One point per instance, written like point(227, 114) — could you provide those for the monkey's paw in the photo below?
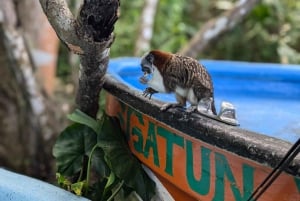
point(149, 92)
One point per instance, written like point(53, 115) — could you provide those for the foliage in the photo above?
point(271, 33)
point(126, 28)
point(93, 160)
point(175, 26)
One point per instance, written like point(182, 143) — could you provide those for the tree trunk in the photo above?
point(28, 121)
point(146, 27)
point(24, 130)
point(42, 41)
point(90, 36)
point(215, 27)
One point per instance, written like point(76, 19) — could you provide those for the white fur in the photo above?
point(188, 93)
point(181, 91)
point(191, 97)
point(157, 81)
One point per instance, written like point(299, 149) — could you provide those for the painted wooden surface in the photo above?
point(192, 169)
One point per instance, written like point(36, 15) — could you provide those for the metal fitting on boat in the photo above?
point(227, 113)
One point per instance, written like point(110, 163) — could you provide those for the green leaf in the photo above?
point(110, 181)
point(62, 181)
point(116, 191)
point(99, 163)
point(110, 184)
point(82, 118)
point(78, 187)
point(121, 161)
point(73, 144)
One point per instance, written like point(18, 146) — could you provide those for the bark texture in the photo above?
point(26, 131)
point(215, 27)
point(42, 41)
point(90, 35)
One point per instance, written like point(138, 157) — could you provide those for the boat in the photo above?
point(18, 187)
point(200, 158)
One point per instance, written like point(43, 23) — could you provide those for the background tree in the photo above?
point(213, 28)
point(27, 117)
point(269, 33)
point(146, 27)
point(42, 41)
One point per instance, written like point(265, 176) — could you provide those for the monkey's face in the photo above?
point(147, 68)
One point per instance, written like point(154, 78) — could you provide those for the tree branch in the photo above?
point(215, 27)
point(62, 21)
point(90, 36)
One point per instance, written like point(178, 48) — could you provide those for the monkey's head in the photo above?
point(151, 61)
point(147, 67)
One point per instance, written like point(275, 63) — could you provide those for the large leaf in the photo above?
point(75, 142)
point(82, 118)
point(121, 161)
point(99, 163)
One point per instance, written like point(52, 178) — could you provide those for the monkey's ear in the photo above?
point(150, 58)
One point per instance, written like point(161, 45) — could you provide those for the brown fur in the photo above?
point(161, 58)
point(185, 72)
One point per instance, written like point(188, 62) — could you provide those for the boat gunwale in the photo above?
point(248, 144)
